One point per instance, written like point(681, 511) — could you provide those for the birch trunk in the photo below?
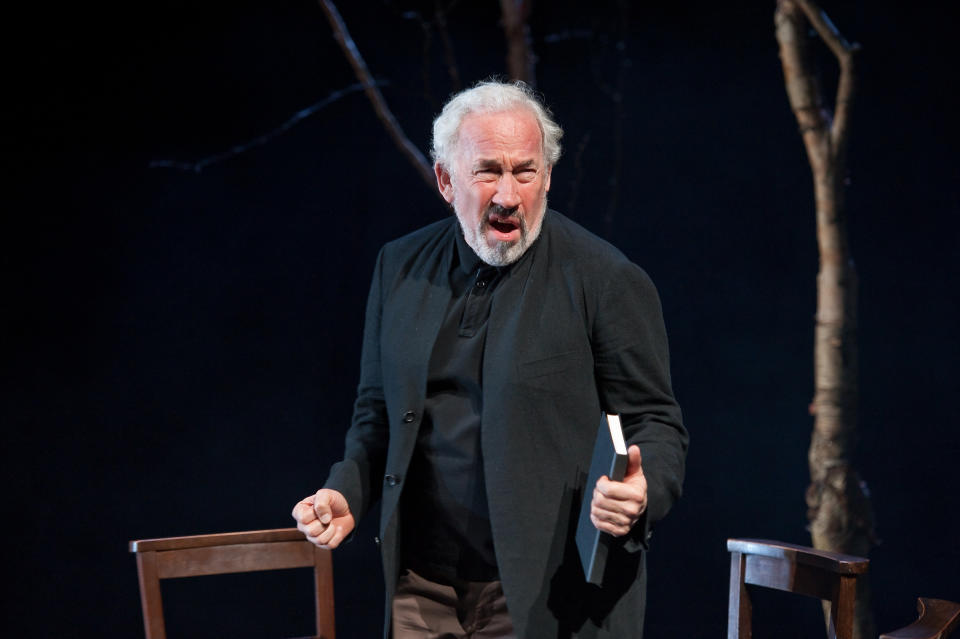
point(838, 506)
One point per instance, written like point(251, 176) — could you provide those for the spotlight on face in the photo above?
point(498, 183)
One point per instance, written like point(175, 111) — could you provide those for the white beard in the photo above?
point(503, 253)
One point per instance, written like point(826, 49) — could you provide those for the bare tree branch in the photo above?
point(825, 28)
point(845, 53)
point(803, 92)
point(237, 149)
point(349, 47)
point(520, 58)
point(427, 29)
point(439, 22)
point(449, 58)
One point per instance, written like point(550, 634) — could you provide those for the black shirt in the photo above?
point(446, 520)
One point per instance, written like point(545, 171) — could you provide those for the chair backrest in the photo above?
point(254, 550)
point(800, 569)
point(937, 619)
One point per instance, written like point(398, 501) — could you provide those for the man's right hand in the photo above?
point(324, 518)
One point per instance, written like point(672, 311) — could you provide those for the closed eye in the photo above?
point(527, 174)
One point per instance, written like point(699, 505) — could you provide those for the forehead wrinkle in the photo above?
point(495, 137)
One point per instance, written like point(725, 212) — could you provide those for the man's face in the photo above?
point(498, 183)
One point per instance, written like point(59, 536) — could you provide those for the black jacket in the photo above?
point(576, 329)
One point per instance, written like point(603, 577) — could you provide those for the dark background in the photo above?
point(180, 349)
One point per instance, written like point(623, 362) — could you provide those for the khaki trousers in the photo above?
point(424, 609)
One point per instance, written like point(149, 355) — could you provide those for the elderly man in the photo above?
point(492, 343)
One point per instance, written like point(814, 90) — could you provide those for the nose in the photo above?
point(508, 192)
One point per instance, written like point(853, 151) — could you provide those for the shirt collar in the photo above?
point(469, 261)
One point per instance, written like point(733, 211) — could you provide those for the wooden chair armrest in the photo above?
point(834, 562)
point(938, 618)
point(222, 539)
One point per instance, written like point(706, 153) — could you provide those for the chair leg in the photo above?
point(150, 600)
point(739, 610)
point(842, 609)
point(322, 578)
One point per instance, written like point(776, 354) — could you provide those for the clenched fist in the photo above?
point(325, 518)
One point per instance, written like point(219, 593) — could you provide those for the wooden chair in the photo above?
point(799, 569)
point(255, 550)
point(937, 620)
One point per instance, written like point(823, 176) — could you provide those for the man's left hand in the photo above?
point(618, 505)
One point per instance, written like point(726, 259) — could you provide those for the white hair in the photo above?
point(491, 96)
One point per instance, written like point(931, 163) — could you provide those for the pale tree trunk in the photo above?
point(520, 58)
point(839, 509)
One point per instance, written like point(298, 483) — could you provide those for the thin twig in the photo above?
point(349, 47)
point(826, 29)
point(619, 111)
point(426, 28)
point(292, 121)
point(439, 22)
point(448, 56)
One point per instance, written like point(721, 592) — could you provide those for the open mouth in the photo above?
point(504, 226)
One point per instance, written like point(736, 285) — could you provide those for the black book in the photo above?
point(610, 459)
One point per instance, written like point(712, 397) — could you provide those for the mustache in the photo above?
point(502, 211)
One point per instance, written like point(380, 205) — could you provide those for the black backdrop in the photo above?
point(180, 349)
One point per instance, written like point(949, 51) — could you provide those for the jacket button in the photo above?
point(409, 416)
point(392, 480)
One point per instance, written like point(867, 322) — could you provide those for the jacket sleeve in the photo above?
point(358, 476)
point(632, 369)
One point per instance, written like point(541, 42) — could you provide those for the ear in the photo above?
point(444, 182)
point(546, 181)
